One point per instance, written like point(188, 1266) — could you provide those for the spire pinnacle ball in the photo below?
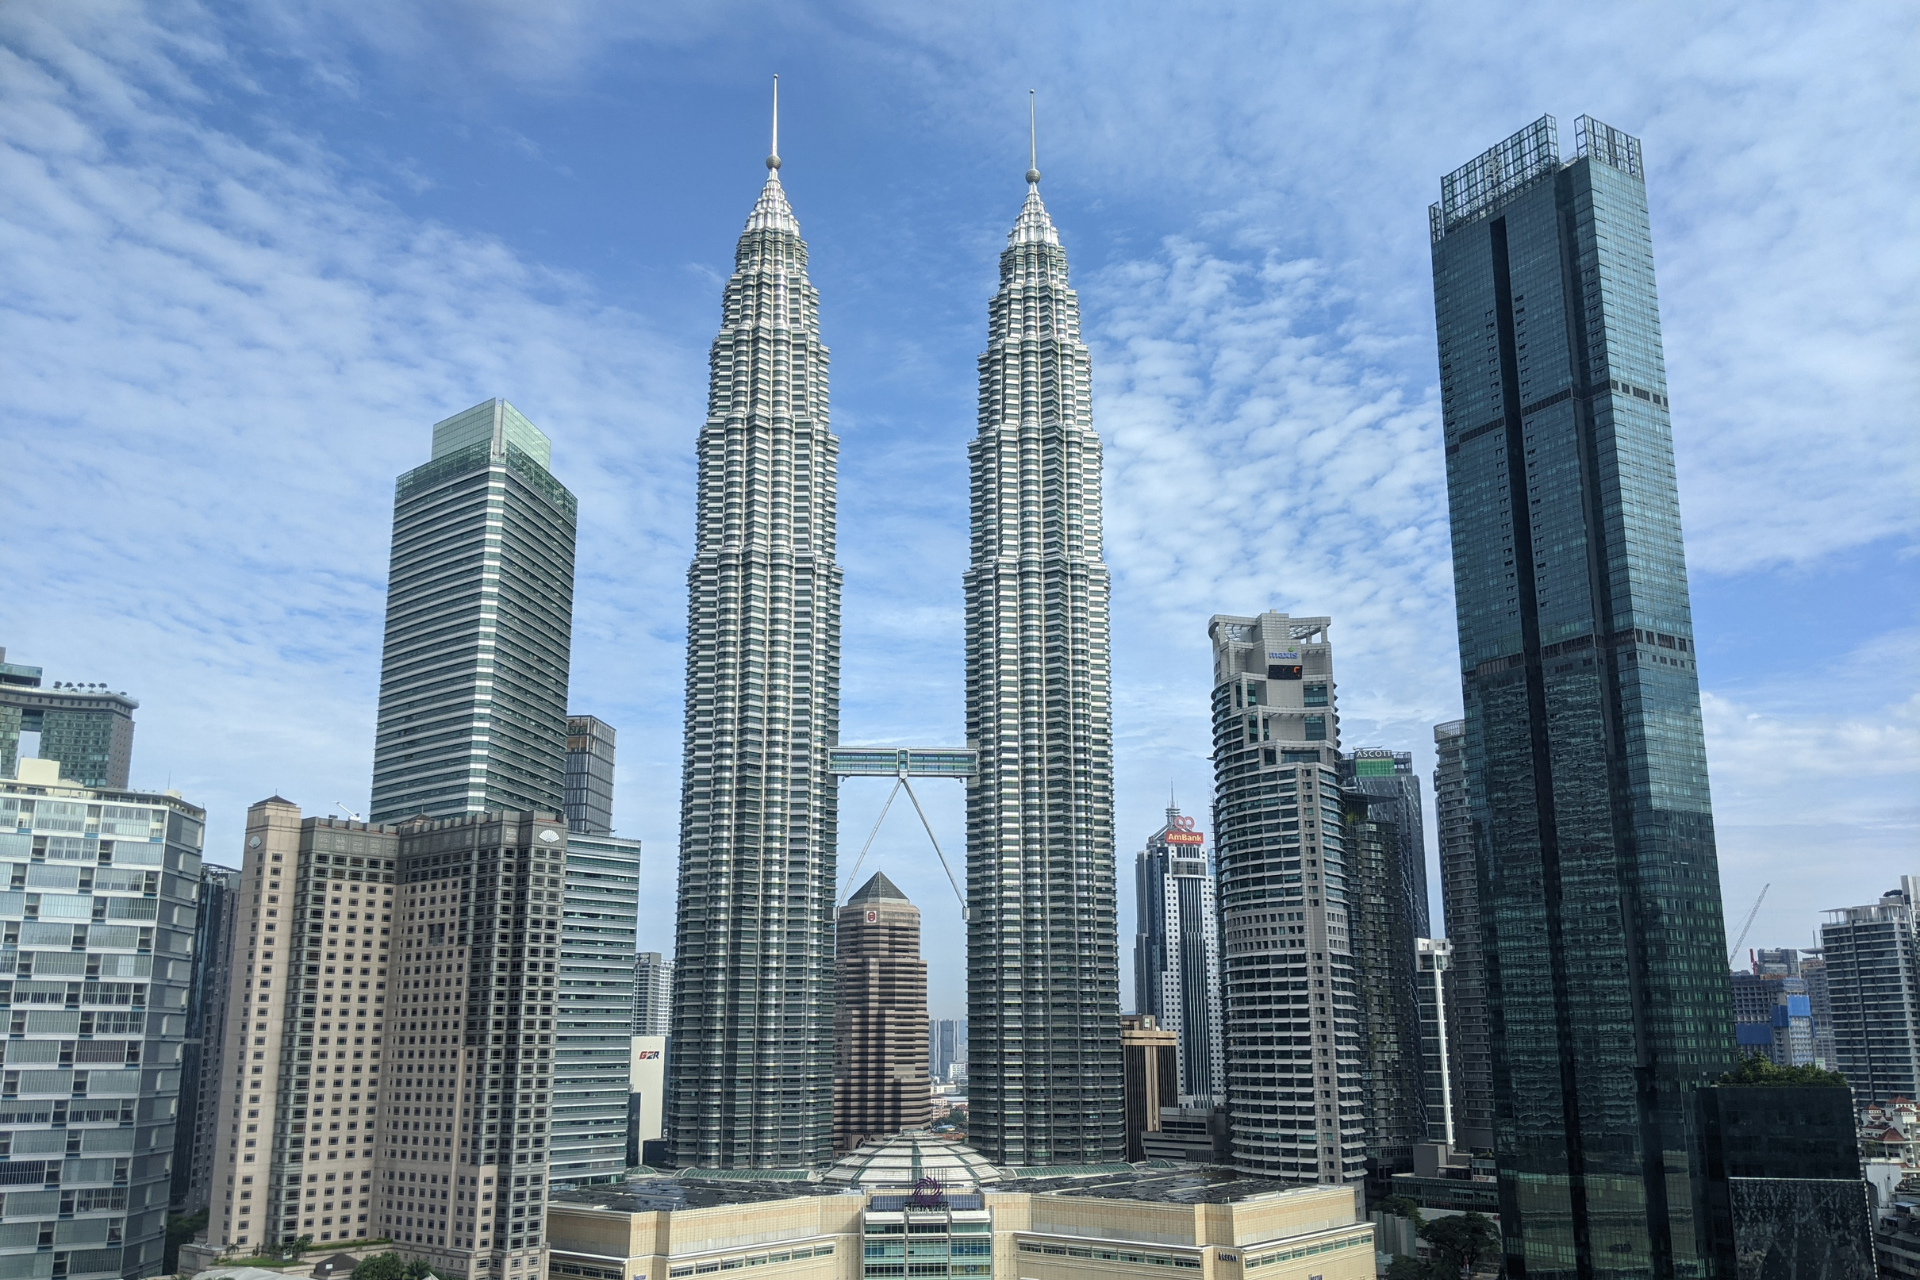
point(1033, 175)
point(773, 162)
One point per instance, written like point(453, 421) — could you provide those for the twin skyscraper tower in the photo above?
point(751, 1083)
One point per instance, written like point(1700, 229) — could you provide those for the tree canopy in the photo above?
point(1755, 1069)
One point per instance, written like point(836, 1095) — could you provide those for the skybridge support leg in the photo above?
point(964, 912)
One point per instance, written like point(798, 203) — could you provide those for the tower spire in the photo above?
point(773, 157)
point(1033, 144)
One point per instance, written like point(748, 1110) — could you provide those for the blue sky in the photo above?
point(249, 253)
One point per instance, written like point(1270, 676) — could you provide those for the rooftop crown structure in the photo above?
point(752, 1069)
point(1042, 956)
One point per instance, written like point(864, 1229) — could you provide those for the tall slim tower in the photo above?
point(473, 675)
point(751, 1077)
point(1586, 765)
point(1176, 953)
point(1289, 974)
point(1469, 1041)
point(1043, 982)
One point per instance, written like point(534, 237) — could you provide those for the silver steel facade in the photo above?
point(1293, 1029)
point(1043, 988)
point(96, 937)
point(473, 675)
point(1176, 954)
point(751, 1078)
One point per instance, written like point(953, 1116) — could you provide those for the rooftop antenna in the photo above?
point(773, 157)
point(1033, 144)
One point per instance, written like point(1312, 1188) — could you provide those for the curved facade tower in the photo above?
point(751, 1082)
point(1043, 986)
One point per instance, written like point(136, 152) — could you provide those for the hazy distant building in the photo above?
point(1469, 1037)
point(1586, 761)
point(1043, 964)
point(1150, 1069)
point(652, 994)
point(1434, 957)
point(473, 672)
point(589, 785)
point(1813, 968)
point(1382, 941)
point(880, 1081)
point(206, 1026)
point(1176, 953)
point(100, 957)
point(1283, 881)
point(750, 1078)
point(946, 1048)
point(1873, 980)
point(86, 729)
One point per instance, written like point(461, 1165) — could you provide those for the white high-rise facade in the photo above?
point(1295, 1073)
point(751, 1076)
point(1043, 987)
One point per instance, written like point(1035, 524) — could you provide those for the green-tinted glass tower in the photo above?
point(1600, 911)
point(473, 678)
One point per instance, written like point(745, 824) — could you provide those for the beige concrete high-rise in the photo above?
point(880, 1083)
point(388, 1063)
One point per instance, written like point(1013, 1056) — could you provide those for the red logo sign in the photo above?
point(873, 917)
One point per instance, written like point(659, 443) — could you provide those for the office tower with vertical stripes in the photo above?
point(206, 1033)
point(1176, 953)
point(750, 1081)
point(1586, 765)
point(1469, 1043)
point(589, 793)
point(473, 675)
point(1043, 982)
point(1872, 975)
point(880, 1083)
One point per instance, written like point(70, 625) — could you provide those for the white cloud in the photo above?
point(222, 342)
point(219, 356)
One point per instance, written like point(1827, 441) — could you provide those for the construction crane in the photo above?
point(1749, 924)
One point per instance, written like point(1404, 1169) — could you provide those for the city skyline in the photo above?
point(215, 672)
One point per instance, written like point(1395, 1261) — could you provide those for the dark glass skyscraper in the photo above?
point(1586, 768)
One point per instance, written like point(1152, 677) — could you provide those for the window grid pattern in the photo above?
point(1043, 991)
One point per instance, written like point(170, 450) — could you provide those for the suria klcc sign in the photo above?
point(1180, 831)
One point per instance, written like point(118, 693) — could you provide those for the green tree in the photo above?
point(1403, 1207)
point(1460, 1242)
point(416, 1270)
point(1756, 1069)
point(292, 1249)
point(381, 1266)
point(180, 1229)
point(1404, 1268)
